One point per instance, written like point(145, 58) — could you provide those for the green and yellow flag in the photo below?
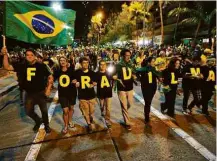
point(32, 23)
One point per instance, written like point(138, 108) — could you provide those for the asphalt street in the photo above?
point(156, 141)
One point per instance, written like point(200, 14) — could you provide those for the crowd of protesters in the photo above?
point(91, 73)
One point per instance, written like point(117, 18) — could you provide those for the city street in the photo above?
point(160, 141)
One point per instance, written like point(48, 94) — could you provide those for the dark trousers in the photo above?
point(206, 96)
point(148, 94)
point(170, 99)
point(197, 98)
point(186, 94)
point(36, 99)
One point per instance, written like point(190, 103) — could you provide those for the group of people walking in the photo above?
point(36, 80)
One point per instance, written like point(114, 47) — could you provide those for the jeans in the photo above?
point(32, 99)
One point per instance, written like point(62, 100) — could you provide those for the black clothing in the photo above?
point(106, 91)
point(84, 92)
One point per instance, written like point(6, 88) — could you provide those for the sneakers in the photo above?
point(185, 112)
point(37, 126)
point(47, 129)
point(128, 127)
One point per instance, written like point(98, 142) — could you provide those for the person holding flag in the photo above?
point(36, 82)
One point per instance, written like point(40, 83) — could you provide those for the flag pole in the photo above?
point(4, 42)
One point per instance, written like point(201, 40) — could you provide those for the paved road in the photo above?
point(156, 141)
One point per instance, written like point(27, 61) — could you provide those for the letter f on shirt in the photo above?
point(30, 73)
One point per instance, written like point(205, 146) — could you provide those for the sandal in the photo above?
point(65, 130)
point(71, 125)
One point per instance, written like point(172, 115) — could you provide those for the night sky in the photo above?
point(85, 10)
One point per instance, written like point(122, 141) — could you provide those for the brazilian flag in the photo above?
point(37, 24)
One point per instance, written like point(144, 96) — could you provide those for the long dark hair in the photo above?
point(147, 60)
point(171, 66)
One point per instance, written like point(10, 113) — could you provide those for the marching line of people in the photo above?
point(37, 74)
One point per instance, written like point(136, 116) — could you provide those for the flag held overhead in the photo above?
point(38, 24)
point(41, 23)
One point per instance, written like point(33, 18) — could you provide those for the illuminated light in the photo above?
point(110, 69)
point(56, 6)
point(66, 27)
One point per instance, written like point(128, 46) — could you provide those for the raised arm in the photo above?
point(6, 64)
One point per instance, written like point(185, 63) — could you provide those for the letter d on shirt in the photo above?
point(30, 73)
point(85, 81)
point(127, 77)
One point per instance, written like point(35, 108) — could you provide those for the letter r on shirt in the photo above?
point(85, 81)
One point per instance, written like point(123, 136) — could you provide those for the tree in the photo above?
point(161, 21)
point(196, 16)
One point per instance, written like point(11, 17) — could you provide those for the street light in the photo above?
point(100, 15)
point(56, 6)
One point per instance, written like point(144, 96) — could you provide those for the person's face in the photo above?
point(63, 62)
point(127, 57)
point(177, 64)
point(163, 54)
point(45, 56)
point(152, 62)
point(30, 57)
point(102, 66)
point(85, 65)
point(39, 59)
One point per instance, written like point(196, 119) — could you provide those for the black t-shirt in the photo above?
point(171, 77)
point(148, 79)
point(104, 85)
point(34, 77)
point(192, 83)
point(125, 75)
point(65, 86)
point(209, 80)
point(85, 79)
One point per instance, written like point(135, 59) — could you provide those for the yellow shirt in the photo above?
point(160, 63)
point(139, 61)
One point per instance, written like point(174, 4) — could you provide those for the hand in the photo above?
point(77, 84)
point(201, 76)
point(160, 79)
point(4, 50)
point(74, 81)
point(94, 83)
point(47, 92)
point(115, 77)
point(134, 77)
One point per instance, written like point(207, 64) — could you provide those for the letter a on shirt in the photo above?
point(127, 77)
point(30, 73)
point(211, 76)
point(104, 82)
point(85, 81)
point(66, 77)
